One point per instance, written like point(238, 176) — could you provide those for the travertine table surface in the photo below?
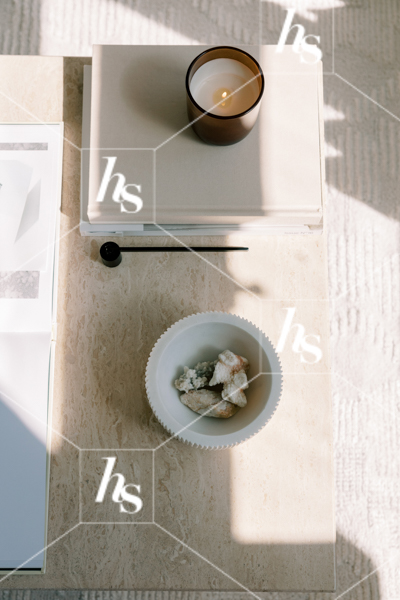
point(259, 516)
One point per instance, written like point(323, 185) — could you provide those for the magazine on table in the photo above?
point(30, 198)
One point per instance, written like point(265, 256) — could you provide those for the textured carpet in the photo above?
point(362, 130)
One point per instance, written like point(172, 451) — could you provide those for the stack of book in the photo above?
point(145, 172)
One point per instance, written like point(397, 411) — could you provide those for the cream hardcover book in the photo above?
point(136, 134)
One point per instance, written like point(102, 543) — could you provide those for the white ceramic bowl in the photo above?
point(201, 337)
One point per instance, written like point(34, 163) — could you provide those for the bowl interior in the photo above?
point(203, 342)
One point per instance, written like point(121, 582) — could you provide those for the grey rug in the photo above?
point(362, 131)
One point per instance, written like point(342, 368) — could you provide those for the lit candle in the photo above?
point(224, 87)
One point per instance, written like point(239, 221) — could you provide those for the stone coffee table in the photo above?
point(259, 516)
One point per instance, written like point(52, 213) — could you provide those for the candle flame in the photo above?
point(222, 97)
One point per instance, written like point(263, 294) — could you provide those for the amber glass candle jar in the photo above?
point(224, 87)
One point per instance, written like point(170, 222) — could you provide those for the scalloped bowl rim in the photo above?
point(186, 434)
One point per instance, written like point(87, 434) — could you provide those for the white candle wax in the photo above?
point(217, 79)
